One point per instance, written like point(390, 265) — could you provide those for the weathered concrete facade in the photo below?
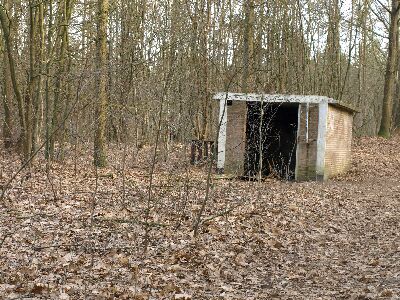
point(236, 141)
point(307, 138)
point(324, 134)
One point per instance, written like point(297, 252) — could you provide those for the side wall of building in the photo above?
point(235, 148)
point(338, 141)
point(307, 137)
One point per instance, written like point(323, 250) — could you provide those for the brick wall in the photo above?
point(338, 141)
point(307, 151)
point(236, 138)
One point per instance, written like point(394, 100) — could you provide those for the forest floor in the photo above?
point(67, 233)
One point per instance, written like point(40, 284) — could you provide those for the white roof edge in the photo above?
point(274, 98)
point(282, 98)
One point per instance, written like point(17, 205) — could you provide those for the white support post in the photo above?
point(223, 118)
point(321, 142)
point(297, 142)
point(307, 122)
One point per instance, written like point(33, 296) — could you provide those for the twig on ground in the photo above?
point(222, 213)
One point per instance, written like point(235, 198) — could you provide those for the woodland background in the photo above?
point(138, 71)
point(125, 85)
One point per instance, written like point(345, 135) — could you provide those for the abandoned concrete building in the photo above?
point(294, 137)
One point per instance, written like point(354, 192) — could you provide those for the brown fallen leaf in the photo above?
point(275, 244)
point(373, 262)
point(387, 294)
point(183, 296)
point(240, 260)
point(37, 289)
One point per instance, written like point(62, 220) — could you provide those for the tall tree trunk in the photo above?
point(30, 95)
point(362, 54)
point(101, 102)
point(7, 100)
point(390, 74)
point(5, 24)
point(204, 89)
point(38, 105)
point(332, 83)
point(48, 149)
point(248, 47)
point(66, 9)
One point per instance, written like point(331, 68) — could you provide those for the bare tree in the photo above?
point(5, 25)
point(391, 69)
point(100, 156)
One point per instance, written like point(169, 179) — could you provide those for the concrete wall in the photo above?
point(306, 155)
point(338, 141)
point(236, 138)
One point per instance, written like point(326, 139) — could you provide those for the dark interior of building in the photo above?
point(275, 135)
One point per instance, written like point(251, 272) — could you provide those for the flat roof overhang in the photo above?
point(282, 98)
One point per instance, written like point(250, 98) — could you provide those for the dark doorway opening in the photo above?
point(271, 130)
